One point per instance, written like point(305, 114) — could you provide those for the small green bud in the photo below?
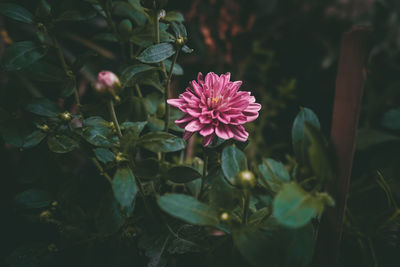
point(52, 247)
point(224, 216)
point(45, 128)
point(120, 157)
point(246, 179)
point(161, 110)
point(45, 215)
point(180, 40)
point(125, 28)
point(65, 116)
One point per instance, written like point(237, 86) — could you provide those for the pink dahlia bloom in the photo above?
point(106, 80)
point(214, 106)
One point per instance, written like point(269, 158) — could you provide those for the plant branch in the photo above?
point(246, 206)
point(101, 170)
point(114, 117)
point(167, 89)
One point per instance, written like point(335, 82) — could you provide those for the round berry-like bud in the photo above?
point(180, 40)
point(45, 128)
point(52, 247)
point(120, 157)
point(246, 179)
point(125, 28)
point(65, 116)
point(45, 215)
point(161, 110)
point(224, 216)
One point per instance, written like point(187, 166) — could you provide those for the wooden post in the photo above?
point(350, 81)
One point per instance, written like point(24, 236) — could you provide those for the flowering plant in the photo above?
point(161, 198)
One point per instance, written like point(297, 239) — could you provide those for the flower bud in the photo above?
point(180, 40)
point(45, 128)
point(224, 216)
point(120, 158)
point(161, 110)
point(65, 116)
point(246, 179)
point(45, 215)
point(162, 14)
point(107, 80)
point(125, 28)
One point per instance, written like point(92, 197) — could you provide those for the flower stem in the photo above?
point(167, 89)
point(114, 117)
point(101, 170)
point(203, 178)
point(246, 206)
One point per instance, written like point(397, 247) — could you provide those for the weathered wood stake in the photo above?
point(350, 81)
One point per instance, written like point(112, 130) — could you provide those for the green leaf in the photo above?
point(16, 12)
point(107, 36)
point(156, 53)
point(294, 207)
point(144, 35)
point(21, 54)
point(68, 88)
point(33, 139)
point(62, 143)
point(186, 49)
point(133, 128)
point(177, 70)
point(155, 124)
point(83, 13)
point(104, 155)
point(182, 174)
point(147, 169)
point(188, 209)
point(129, 73)
point(33, 199)
point(275, 245)
point(274, 173)
point(14, 132)
point(299, 139)
point(124, 186)
point(179, 29)
point(391, 119)
point(222, 194)
point(99, 136)
point(367, 138)
point(175, 114)
point(319, 155)
point(233, 161)
point(45, 72)
point(174, 16)
point(43, 107)
point(126, 10)
point(161, 142)
point(95, 121)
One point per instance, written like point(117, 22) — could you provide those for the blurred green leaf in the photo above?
point(16, 12)
point(33, 199)
point(274, 173)
point(293, 207)
point(233, 161)
point(299, 138)
point(107, 36)
point(124, 186)
point(144, 35)
point(161, 142)
point(222, 194)
point(45, 72)
point(129, 73)
point(155, 124)
point(62, 143)
point(34, 139)
point(174, 16)
point(188, 209)
point(156, 53)
point(175, 114)
point(99, 136)
point(104, 155)
point(43, 107)
point(367, 138)
point(391, 119)
point(83, 12)
point(127, 10)
point(147, 169)
point(21, 54)
point(133, 128)
point(177, 70)
point(182, 174)
point(95, 121)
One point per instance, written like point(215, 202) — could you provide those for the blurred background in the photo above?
point(286, 52)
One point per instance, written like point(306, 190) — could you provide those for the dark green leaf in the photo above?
point(45, 72)
point(33, 199)
point(182, 174)
point(155, 124)
point(156, 53)
point(222, 194)
point(274, 173)
point(294, 207)
point(14, 132)
point(147, 169)
point(99, 136)
point(175, 114)
point(16, 12)
point(126, 10)
point(43, 107)
point(319, 156)
point(62, 143)
point(34, 139)
point(391, 119)
point(188, 209)
point(177, 70)
point(22, 54)
point(233, 161)
point(77, 15)
point(133, 128)
point(104, 155)
point(129, 73)
point(186, 49)
point(95, 121)
point(174, 16)
point(68, 88)
point(124, 186)
point(109, 37)
point(299, 138)
point(367, 138)
point(144, 35)
point(161, 142)
point(179, 29)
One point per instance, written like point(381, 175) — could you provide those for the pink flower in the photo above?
point(214, 106)
point(106, 80)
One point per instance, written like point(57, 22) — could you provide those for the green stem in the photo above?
point(139, 92)
point(114, 117)
point(203, 180)
point(246, 206)
point(167, 89)
point(101, 170)
point(156, 27)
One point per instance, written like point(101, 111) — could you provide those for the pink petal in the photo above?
point(193, 112)
point(240, 133)
point(223, 131)
point(177, 102)
point(207, 130)
point(194, 126)
point(223, 118)
point(205, 119)
point(207, 139)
